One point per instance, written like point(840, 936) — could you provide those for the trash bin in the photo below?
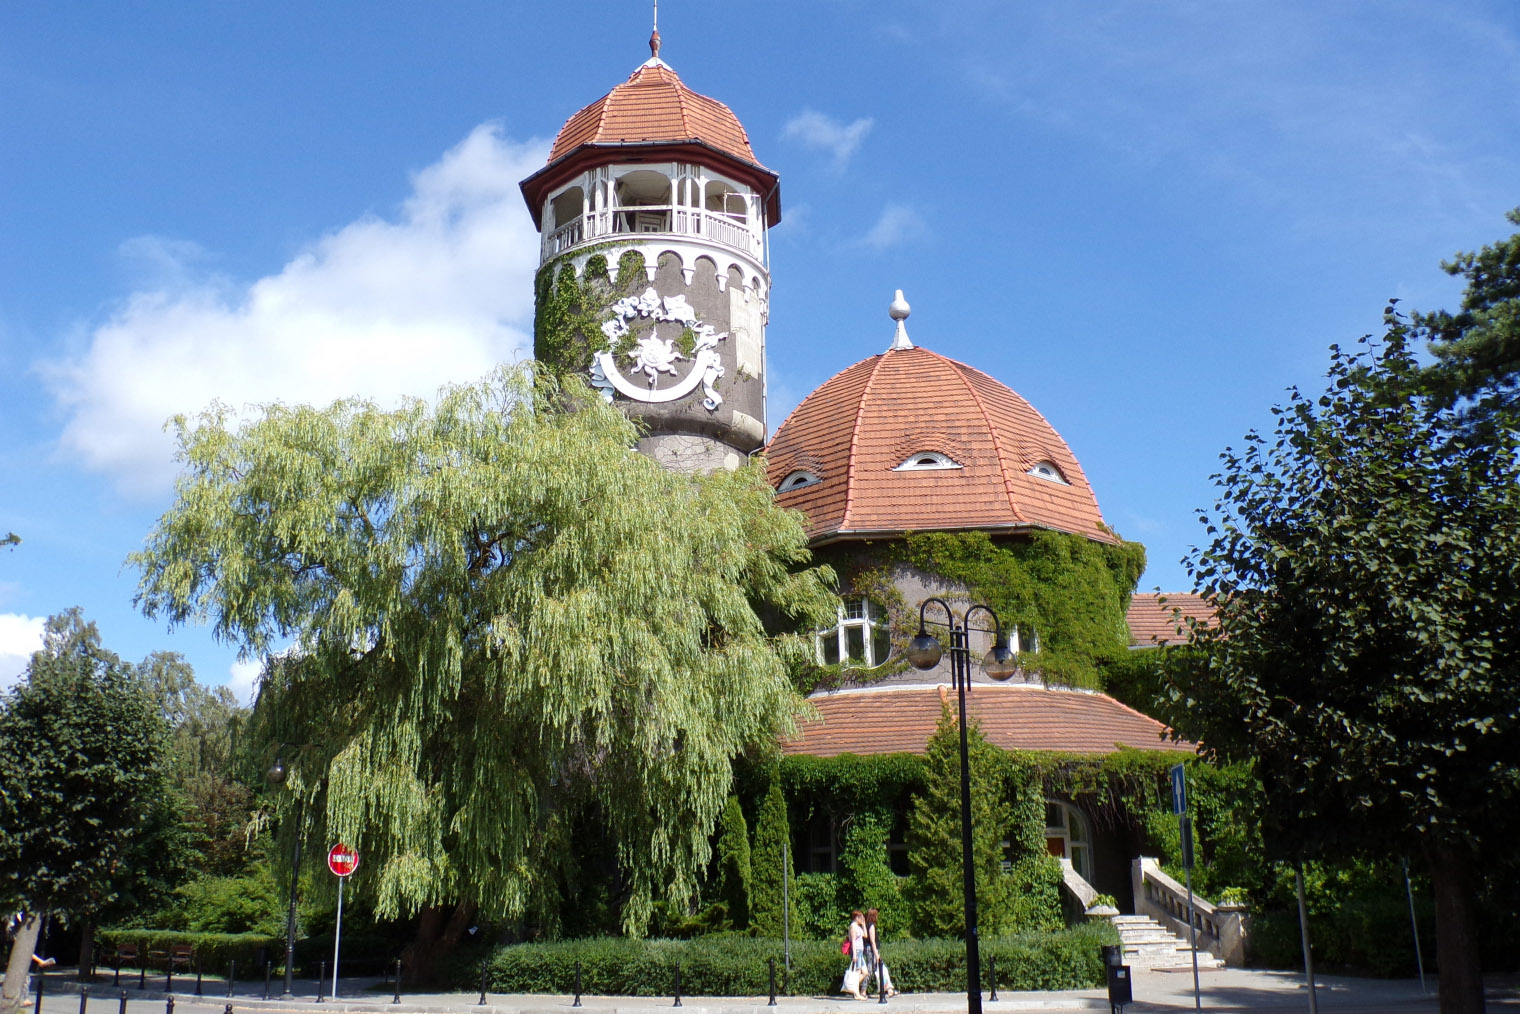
point(1119, 991)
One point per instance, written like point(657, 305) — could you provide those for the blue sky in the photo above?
point(1147, 218)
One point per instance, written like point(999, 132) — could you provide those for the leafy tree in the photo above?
point(90, 826)
point(1367, 658)
point(1478, 347)
point(731, 865)
point(868, 880)
point(11, 539)
point(934, 890)
point(768, 858)
point(499, 616)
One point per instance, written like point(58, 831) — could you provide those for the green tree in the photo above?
point(731, 865)
point(934, 888)
point(1478, 347)
point(770, 856)
point(501, 617)
point(90, 826)
point(1367, 658)
point(866, 872)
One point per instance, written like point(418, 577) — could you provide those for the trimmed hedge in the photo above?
point(214, 951)
point(720, 965)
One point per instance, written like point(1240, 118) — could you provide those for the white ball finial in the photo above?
point(899, 311)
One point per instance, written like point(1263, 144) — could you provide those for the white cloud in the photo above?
point(19, 637)
point(898, 224)
point(380, 308)
point(243, 679)
point(818, 130)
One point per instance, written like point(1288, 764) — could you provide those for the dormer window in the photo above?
point(926, 461)
point(798, 479)
point(1048, 470)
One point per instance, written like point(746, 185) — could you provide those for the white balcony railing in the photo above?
point(666, 220)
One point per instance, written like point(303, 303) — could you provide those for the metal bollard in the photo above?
point(577, 1002)
point(678, 985)
point(772, 963)
point(41, 983)
point(84, 998)
point(142, 975)
point(197, 978)
point(266, 978)
point(169, 978)
point(881, 982)
point(321, 978)
point(116, 973)
point(168, 1005)
point(397, 997)
point(231, 978)
point(992, 978)
point(482, 1001)
point(227, 1009)
point(121, 1007)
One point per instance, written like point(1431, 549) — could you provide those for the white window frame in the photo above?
point(1048, 471)
point(871, 619)
point(926, 461)
point(1078, 847)
point(798, 480)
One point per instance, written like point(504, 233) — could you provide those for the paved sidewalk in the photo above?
point(1222, 990)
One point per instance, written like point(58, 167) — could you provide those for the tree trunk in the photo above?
point(1456, 931)
point(86, 951)
point(22, 948)
point(436, 938)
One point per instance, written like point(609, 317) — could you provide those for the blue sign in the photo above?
point(1179, 790)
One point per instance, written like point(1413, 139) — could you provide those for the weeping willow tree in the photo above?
point(492, 621)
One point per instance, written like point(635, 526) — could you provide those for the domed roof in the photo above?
point(911, 441)
point(653, 106)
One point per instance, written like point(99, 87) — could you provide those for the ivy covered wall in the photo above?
point(1068, 591)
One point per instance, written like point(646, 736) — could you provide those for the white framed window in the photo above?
point(1023, 639)
point(1067, 836)
point(923, 461)
point(862, 637)
point(798, 479)
point(1048, 470)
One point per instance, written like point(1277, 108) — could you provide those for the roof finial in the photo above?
point(899, 311)
point(654, 36)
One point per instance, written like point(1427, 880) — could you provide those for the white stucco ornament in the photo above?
point(652, 356)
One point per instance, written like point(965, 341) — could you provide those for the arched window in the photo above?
point(1067, 837)
point(1048, 470)
point(925, 460)
point(1023, 639)
point(798, 479)
point(863, 635)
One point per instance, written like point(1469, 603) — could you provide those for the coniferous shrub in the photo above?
point(867, 878)
point(768, 858)
point(732, 864)
point(934, 889)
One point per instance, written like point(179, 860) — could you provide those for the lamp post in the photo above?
point(276, 776)
point(924, 652)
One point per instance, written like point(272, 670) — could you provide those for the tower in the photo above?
point(654, 203)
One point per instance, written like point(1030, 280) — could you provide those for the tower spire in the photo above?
point(654, 36)
point(898, 311)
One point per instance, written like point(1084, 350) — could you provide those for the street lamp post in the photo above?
point(276, 775)
point(924, 652)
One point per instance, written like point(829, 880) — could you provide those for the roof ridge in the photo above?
point(959, 368)
point(849, 461)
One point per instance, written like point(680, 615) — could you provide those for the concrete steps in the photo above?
point(1148, 944)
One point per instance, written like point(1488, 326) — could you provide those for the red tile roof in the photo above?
point(856, 428)
point(653, 105)
point(1014, 716)
point(1161, 617)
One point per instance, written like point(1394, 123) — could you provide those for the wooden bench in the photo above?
point(126, 954)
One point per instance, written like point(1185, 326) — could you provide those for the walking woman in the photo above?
point(855, 976)
point(873, 954)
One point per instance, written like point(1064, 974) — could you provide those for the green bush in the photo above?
point(821, 914)
point(737, 966)
point(213, 951)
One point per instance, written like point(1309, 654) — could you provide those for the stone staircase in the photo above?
point(1148, 944)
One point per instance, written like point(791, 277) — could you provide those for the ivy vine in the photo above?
point(569, 309)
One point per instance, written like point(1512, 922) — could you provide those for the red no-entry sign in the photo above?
point(342, 860)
